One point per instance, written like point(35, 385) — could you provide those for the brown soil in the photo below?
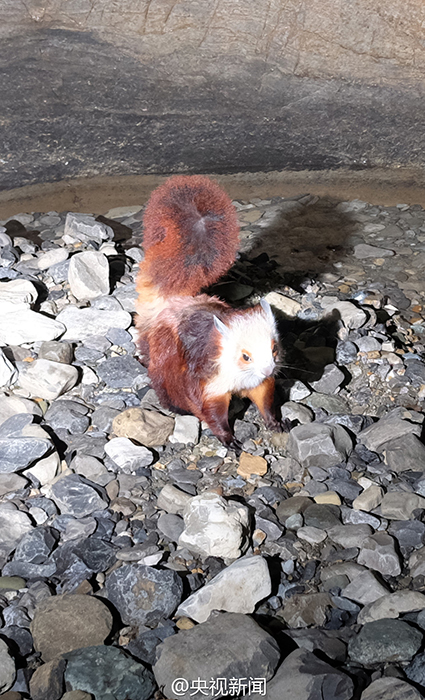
point(99, 194)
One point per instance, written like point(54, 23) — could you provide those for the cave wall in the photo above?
point(92, 87)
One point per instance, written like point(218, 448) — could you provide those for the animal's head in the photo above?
point(250, 345)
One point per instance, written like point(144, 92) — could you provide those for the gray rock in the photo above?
point(26, 326)
point(378, 553)
point(346, 352)
point(47, 379)
point(302, 676)
point(213, 650)
point(363, 250)
point(297, 412)
point(384, 641)
point(68, 415)
point(48, 681)
point(16, 453)
point(326, 641)
point(319, 445)
point(85, 228)
point(214, 527)
point(148, 428)
point(406, 453)
point(14, 524)
point(388, 688)
point(10, 405)
point(351, 316)
point(330, 381)
point(392, 605)
point(88, 466)
point(103, 417)
point(82, 323)
point(108, 673)
point(172, 499)
point(36, 546)
point(143, 594)
point(10, 483)
point(127, 455)
point(415, 671)
point(7, 668)
point(386, 430)
point(401, 505)
point(88, 275)
point(121, 371)
point(74, 496)
point(350, 535)
point(354, 517)
point(186, 430)
point(56, 351)
point(309, 534)
point(298, 391)
point(306, 610)
point(8, 373)
point(171, 526)
point(408, 533)
point(364, 588)
point(369, 499)
point(237, 588)
point(321, 516)
point(64, 623)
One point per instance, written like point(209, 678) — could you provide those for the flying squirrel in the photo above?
point(198, 350)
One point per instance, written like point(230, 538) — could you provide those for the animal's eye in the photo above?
point(246, 357)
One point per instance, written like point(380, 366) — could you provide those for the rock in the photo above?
point(364, 588)
point(328, 498)
point(213, 650)
point(47, 680)
point(127, 455)
point(298, 391)
point(8, 373)
point(108, 673)
point(384, 641)
point(67, 622)
point(288, 469)
point(142, 594)
point(171, 526)
point(400, 505)
point(77, 695)
point(415, 671)
point(288, 306)
point(7, 668)
point(392, 605)
point(88, 275)
point(11, 583)
point(47, 379)
point(296, 412)
point(306, 610)
point(16, 453)
point(387, 688)
point(11, 405)
point(149, 428)
point(408, 533)
point(214, 527)
point(369, 499)
point(18, 292)
point(237, 588)
point(85, 228)
point(14, 524)
point(378, 553)
point(326, 641)
point(44, 470)
point(363, 250)
point(36, 545)
point(80, 324)
point(68, 415)
point(74, 496)
point(302, 676)
point(406, 453)
point(88, 466)
point(350, 535)
point(96, 554)
point(251, 464)
point(121, 371)
point(351, 316)
point(186, 430)
point(172, 500)
point(330, 380)
point(376, 436)
point(321, 516)
point(26, 326)
point(309, 534)
point(56, 351)
point(55, 256)
point(319, 445)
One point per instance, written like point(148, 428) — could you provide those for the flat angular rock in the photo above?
point(19, 291)
point(363, 250)
point(80, 324)
point(149, 428)
point(47, 681)
point(121, 371)
point(63, 623)
point(143, 594)
point(36, 546)
point(8, 373)
point(306, 610)
point(302, 676)
point(55, 256)
point(172, 499)
point(238, 588)
point(319, 445)
point(88, 275)
point(14, 524)
point(47, 379)
point(350, 535)
point(186, 430)
point(56, 351)
point(392, 605)
point(108, 672)
point(386, 430)
point(74, 496)
point(388, 688)
point(26, 326)
point(7, 668)
point(378, 553)
point(11, 405)
point(45, 470)
point(11, 482)
point(214, 527)
point(369, 499)
point(364, 588)
point(330, 380)
point(406, 453)
point(384, 641)
point(16, 453)
point(351, 316)
point(400, 505)
point(214, 649)
point(127, 455)
point(415, 671)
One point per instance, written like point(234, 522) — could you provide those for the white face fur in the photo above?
point(249, 351)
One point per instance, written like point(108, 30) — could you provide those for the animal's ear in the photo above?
point(221, 327)
point(267, 309)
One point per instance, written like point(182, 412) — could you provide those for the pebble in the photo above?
point(212, 650)
point(186, 430)
point(148, 428)
point(75, 496)
point(7, 668)
point(251, 464)
point(238, 588)
point(378, 553)
point(47, 379)
point(64, 623)
point(214, 527)
point(127, 455)
point(88, 275)
point(80, 324)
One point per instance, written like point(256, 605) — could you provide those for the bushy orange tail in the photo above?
point(191, 235)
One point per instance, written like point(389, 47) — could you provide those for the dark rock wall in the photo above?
point(151, 86)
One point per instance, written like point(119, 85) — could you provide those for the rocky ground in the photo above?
point(141, 558)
